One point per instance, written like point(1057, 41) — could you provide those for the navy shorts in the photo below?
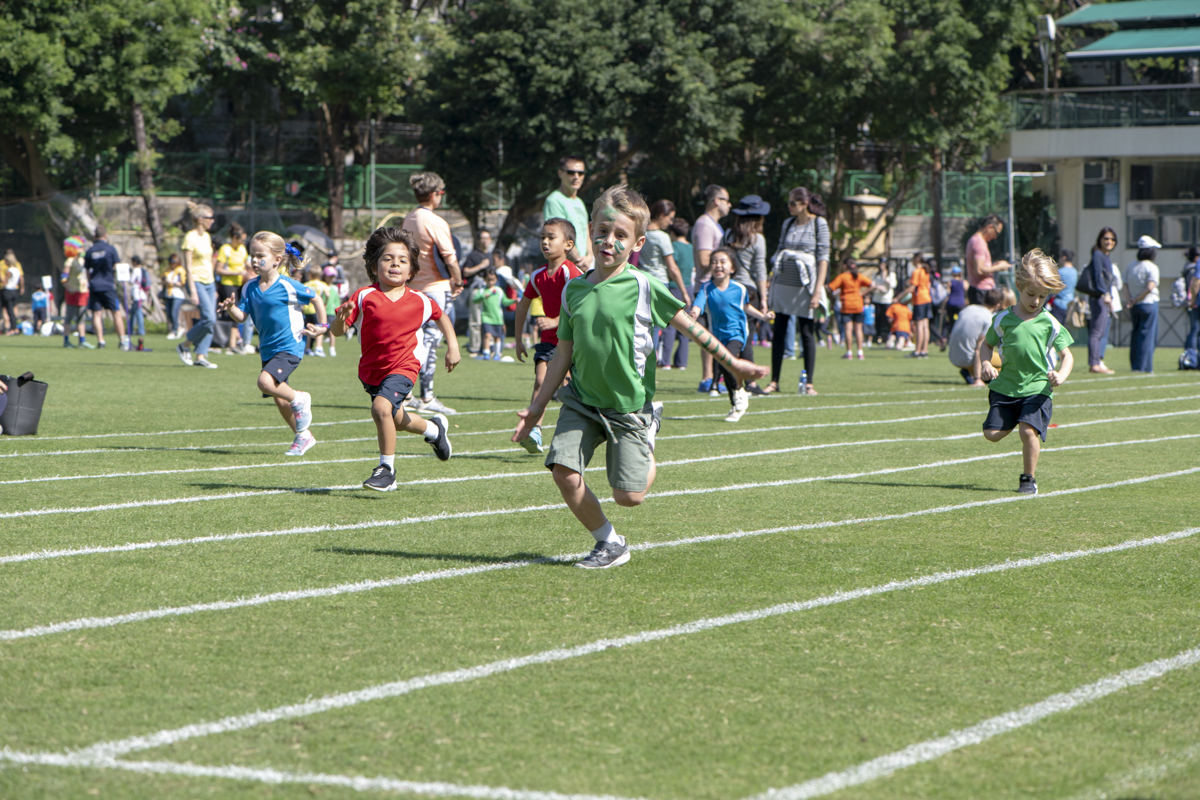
point(493, 330)
point(543, 351)
point(395, 387)
point(1006, 412)
point(280, 367)
point(100, 300)
point(852, 317)
point(922, 311)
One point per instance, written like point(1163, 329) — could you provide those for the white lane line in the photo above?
point(88, 623)
point(276, 777)
point(977, 734)
point(398, 688)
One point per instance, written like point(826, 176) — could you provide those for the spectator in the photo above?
point(922, 305)
point(101, 260)
point(232, 259)
point(801, 265)
point(749, 247)
point(706, 238)
point(851, 285)
point(967, 336)
point(882, 292)
point(1141, 289)
point(75, 286)
point(12, 286)
point(565, 203)
point(473, 266)
point(201, 287)
point(1070, 276)
point(137, 294)
point(980, 268)
point(680, 290)
point(956, 301)
point(1191, 276)
point(1101, 278)
point(174, 279)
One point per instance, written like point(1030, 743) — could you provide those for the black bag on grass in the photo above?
point(24, 409)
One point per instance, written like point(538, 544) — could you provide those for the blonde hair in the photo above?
point(197, 210)
point(424, 184)
point(1009, 298)
point(625, 201)
point(1038, 269)
point(278, 247)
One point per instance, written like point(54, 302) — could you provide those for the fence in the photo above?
point(965, 194)
point(1143, 106)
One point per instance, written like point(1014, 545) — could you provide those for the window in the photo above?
point(1142, 226)
point(1102, 195)
point(1141, 182)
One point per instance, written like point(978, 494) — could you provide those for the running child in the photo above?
point(489, 300)
point(900, 316)
point(852, 285)
point(1026, 336)
point(273, 301)
point(605, 342)
point(546, 285)
point(728, 303)
point(389, 317)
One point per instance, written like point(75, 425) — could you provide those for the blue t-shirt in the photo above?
point(39, 299)
point(1070, 277)
point(277, 315)
point(726, 309)
point(101, 260)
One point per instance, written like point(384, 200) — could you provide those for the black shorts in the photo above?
point(922, 311)
point(311, 319)
point(1006, 412)
point(395, 387)
point(280, 367)
point(543, 351)
point(100, 300)
point(225, 290)
point(852, 317)
point(493, 330)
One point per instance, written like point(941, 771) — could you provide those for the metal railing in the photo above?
point(966, 194)
point(1128, 107)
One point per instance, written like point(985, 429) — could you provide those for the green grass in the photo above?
point(723, 714)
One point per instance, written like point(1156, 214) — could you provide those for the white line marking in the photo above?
point(88, 623)
point(398, 688)
point(977, 734)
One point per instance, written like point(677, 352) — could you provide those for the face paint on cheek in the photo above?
point(620, 247)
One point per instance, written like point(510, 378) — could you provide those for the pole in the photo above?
point(372, 173)
point(253, 155)
point(1012, 223)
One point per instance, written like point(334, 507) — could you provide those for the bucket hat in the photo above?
point(752, 204)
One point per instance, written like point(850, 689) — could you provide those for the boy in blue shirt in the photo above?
point(274, 301)
point(728, 303)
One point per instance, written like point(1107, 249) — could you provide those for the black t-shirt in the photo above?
point(473, 260)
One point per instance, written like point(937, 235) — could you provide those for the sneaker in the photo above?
point(172, 335)
point(714, 393)
point(86, 345)
point(300, 445)
point(705, 385)
point(381, 480)
point(319, 352)
point(302, 410)
point(185, 353)
point(100, 345)
point(533, 442)
point(203, 362)
point(847, 356)
point(67, 343)
point(441, 445)
point(656, 412)
point(861, 357)
point(412, 403)
point(483, 357)
point(741, 400)
point(436, 406)
point(605, 555)
point(734, 414)
point(125, 345)
point(332, 351)
point(1028, 485)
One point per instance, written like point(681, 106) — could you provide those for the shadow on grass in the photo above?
point(971, 487)
point(472, 559)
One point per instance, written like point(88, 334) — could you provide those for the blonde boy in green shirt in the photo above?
point(606, 343)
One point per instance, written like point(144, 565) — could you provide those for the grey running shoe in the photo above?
point(185, 353)
point(656, 412)
point(381, 480)
point(533, 442)
point(436, 406)
point(441, 445)
point(1028, 485)
point(86, 345)
point(204, 362)
point(605, 555)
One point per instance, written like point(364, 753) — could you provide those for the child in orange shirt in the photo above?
point(922, 300)
point(851, 285)
point(900, 315)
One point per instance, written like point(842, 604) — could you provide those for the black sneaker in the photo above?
point(656, 412)
point(381, 480)
point(441, 445)
point(1028, 485)
point(605, 555)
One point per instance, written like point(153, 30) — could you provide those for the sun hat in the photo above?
point(73, 246)
point(752, 204)
point(1146, 242)
point(956, 270)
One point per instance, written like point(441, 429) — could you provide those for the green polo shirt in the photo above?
point(1028, 350)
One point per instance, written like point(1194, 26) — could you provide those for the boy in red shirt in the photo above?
point(548, 282)
point(852, 285)
point(389, 317)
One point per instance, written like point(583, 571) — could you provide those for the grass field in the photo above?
point(838, 595)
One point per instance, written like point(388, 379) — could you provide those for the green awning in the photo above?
point(1143, 43)
point(1132, 12)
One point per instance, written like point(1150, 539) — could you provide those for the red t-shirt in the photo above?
point(390, 332)
point(549, 286)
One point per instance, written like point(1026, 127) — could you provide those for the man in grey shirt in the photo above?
point(972, 325)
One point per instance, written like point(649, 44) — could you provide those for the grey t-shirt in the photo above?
point(973, 322)
point(654, 254)
point(750, 263)
point(1138, 276)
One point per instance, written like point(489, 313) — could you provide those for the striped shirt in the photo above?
point(811, 237)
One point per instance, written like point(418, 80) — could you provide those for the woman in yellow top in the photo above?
point(174, 280)
point(12, 286)
point(198, 266)
point(231, 267)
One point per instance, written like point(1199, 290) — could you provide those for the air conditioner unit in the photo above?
point(1101, 171)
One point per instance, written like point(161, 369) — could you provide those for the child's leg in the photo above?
point(283, 395)
point(409, 423)
point(539, 375)
point(579, 498)
point(487, 344)
point(732, 384)
point(1031, 447)
point(498, 351)
point(385, 426)
point(995, 436)
point(631, 499)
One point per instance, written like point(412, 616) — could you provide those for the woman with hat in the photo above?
point(1141, 291)
point(749, 248)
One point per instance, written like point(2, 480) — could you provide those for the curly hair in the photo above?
point(379, 240)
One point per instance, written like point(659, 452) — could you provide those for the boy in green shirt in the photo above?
point(489, 299)
point(1026, 337)
point(605, 342)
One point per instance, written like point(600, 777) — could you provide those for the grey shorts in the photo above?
point(581, 428)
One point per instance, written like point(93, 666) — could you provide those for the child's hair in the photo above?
point(135, 260)
point(728, 254)
point(499, 257)
point(194, 211)
point(381, 238)
point(489, 273)
point(849, 264)
point(994, 297)
point(174, 259)
point(293, 258)
point(424, 184)
point(1009, 298)
point(1038, 269)
point(236, 231)
point(625, 201)
point(661, 209)
point(564, 227)
point(1066, 256)
point(72, 246)
point(680, 227)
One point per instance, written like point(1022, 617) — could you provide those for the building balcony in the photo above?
point(1105, 107)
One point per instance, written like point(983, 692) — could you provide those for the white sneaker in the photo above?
point(436, 406)
point(332, 351)
point(734, 414)
point(714, 392)
point(656, 413)
point(185, 354)
point(301, 444)
point(741, 400)
point(302, 409)
point(319, 352)
point(203, 362)
point(413, 402)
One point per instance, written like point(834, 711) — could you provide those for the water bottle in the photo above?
point(803, 380)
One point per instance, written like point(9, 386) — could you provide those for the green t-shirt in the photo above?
point(573, 211)
point(489, 300)
point(612, 327)
point(1028, 350)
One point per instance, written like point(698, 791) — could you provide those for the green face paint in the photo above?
point(616, 243)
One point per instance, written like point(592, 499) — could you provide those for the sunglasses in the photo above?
point(578, 172)
point(440, 191)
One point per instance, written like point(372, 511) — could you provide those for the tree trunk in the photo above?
point(935, 195)
point(145, 169)
point(335, 166)
point(20, 150)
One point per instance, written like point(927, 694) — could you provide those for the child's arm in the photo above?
point(452, 354)
point(229, 306)
point(975, 360)
point(322, 326)
point(519, 326)
point(1066, 363)
point(479, 295)
point(987, 371)
point(745, 370)
point(753, 311)
point(341, 315)
point(556, 373)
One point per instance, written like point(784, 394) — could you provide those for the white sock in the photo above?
point(297, 401)
point(606, 533)
point(388, 461)
point(431, 431)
